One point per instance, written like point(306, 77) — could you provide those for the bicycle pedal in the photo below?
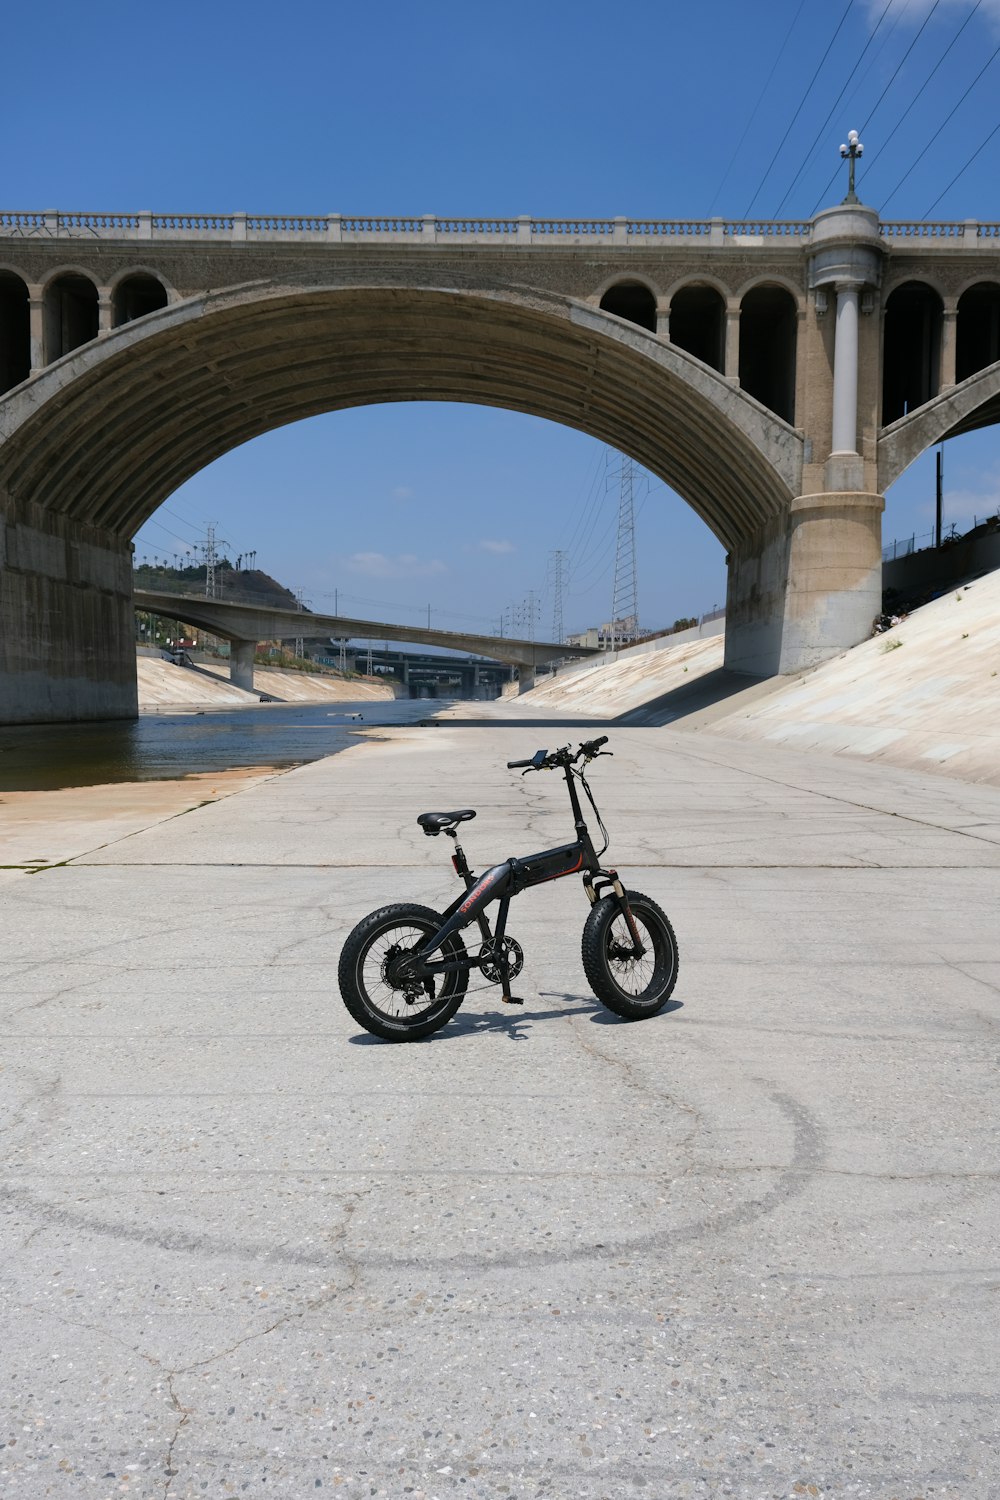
point(510, 1000)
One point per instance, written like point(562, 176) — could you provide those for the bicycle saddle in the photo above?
point(432, 823)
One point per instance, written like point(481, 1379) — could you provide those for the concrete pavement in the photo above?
point(745, 1248)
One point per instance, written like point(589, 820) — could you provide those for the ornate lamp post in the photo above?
point(850, 152)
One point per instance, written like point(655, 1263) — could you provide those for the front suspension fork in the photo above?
point(609, 880)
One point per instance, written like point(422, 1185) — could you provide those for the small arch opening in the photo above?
point(631, 300)
point(698, 324)
point(768, 332)
point(135, 296)
point(71, 316)
point(15, 331)
point(977, 333)
point(911, 357)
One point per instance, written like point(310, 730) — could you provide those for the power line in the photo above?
point(756, 108)
point(599, 492)
point(940, 128)
point(584, 509)
point(873, 158)
point(958, 174)
point(799, 107)
point(899, 65)
point(816, 138)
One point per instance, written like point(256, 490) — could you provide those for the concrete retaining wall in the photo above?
point(929, 570)
point(66, 621)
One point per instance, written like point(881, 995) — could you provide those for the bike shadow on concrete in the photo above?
point(709, 696)
point(516, 1020)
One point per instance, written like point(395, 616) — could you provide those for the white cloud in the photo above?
point(912, 12)
point(403, 565)
point(498, 547)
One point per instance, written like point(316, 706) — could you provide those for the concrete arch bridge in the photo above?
point(776, 375)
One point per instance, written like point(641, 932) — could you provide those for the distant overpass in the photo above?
point(243, 625)
point(418, 670)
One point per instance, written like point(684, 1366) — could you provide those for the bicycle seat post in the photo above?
point(458, 859)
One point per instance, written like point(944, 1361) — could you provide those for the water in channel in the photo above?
point(165, 746)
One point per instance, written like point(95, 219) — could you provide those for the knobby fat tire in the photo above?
point(427, 1018)
point(600, 976)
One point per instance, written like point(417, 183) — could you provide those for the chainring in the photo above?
point(490, 966)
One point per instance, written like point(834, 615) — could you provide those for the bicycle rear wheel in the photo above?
point(399, 1011)
point(631, 986)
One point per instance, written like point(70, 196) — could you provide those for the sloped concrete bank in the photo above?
point(162, 684)
point(925, 695)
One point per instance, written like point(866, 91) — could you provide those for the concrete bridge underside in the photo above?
point(244, 625)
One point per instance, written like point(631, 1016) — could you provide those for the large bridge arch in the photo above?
point(109, 431)
point(94, 443)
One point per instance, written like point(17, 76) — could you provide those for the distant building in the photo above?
point(612, 633)
point(585, 638)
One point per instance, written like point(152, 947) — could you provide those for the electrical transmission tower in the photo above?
point(625, 595)
point(558, 565)
point(530, 611)
point(210, 551)
point(300, 649)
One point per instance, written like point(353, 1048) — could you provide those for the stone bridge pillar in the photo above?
point(810, 585)
point(67, 625)
point(241, 655)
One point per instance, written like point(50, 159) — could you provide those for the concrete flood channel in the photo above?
point(745, 1248)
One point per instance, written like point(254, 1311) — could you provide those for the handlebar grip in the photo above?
point(515, 764)
point(589, 746)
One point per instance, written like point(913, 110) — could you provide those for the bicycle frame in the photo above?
point(504, 881)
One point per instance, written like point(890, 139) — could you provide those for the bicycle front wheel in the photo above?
point(399, 1011)
point(631, 986)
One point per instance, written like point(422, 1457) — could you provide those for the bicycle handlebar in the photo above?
point(543, 761)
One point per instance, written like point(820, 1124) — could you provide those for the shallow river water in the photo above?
point(164, 746)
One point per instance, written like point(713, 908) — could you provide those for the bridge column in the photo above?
point(732, 356)
point(949, 344)
point(67, 642)
point(105, 311)
point(844, 467)
point(525, 678)
point(36, 328)
point(807, 587)
point(241, 655)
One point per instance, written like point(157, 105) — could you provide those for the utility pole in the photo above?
point(939, 466)
point(558, 562)
point(368, 663)
point(625, 594)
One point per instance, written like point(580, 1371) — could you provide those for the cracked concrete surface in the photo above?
point(745, 1248)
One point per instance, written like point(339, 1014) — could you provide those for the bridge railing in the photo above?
point(320, 229)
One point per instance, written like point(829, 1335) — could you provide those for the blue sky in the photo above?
point(549, 108)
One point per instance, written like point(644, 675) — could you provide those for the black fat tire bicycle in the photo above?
point(404, 969)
